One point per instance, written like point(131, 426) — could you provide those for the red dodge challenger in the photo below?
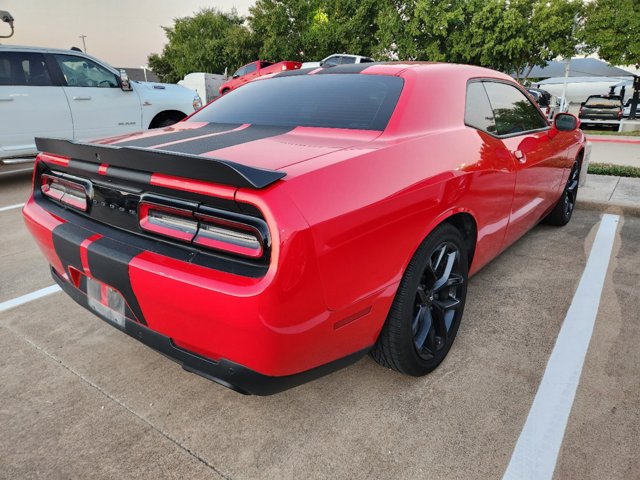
point(304, 220)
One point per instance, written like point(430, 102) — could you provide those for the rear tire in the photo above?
point(428, 306)
point(561, 213)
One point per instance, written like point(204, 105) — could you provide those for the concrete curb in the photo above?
point(604, 207)
point(612, 139)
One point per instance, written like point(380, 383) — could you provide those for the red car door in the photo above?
point(539, 160)
point(251, 71)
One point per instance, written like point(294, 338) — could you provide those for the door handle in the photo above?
point(6, 99)
point(82, 98)
point(520, 156)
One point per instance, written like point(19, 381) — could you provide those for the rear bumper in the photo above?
point(272, 331)
point(599, 121)
point(225, 372)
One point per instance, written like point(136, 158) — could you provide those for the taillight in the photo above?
point(580, 112)
point(210, 228)
point(74, 192)
point(619, 114)
point(170, 222)
point(234, 237)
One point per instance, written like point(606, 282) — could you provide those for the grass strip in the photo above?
point(635, 133)
point(615, 170)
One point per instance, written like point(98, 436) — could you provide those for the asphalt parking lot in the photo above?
point(79, 399)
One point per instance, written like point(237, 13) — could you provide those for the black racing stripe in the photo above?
point(129, 176)
point(350, 68)
point(145, 142)
point(109, 262)
point(66, 242)
point(171, 163)
point(83, 167)
point(249, 134)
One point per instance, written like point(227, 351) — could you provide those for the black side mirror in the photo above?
point(125, 84)
point(565, 122)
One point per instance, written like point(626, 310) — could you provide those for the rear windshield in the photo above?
point(354, 101)
point(603, 102)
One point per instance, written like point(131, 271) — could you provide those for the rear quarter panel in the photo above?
point(369, 213)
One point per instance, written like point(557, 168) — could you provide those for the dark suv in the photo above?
point(603, 110)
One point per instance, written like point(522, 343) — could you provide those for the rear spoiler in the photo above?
point(157, 161)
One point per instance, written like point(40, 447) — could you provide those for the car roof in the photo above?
point(28, 48)
point(32, 49)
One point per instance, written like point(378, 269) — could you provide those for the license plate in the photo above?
point(106, 301)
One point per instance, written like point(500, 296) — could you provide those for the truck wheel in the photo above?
point(166, 119)
point(428, 306)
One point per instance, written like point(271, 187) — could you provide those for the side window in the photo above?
point(241, 71)
point(346, 60)
point(513, 111)
point(333, 60)
point(82, 72)
point(251, 68)
point(24, 69)
point(477, 111)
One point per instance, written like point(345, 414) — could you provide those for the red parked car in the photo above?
point(254, 70)
point(297, 223)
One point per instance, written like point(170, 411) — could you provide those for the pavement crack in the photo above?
point(119, 402)
point(614, 190)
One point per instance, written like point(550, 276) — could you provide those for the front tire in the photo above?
point(561, 213)
point(428, 306)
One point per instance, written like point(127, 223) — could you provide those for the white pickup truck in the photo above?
point(68, 94)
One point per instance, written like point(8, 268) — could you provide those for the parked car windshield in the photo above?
point(353, 101)
point(602, 102)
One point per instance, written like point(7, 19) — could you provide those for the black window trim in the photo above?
point(522, 90)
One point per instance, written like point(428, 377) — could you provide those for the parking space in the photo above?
point(81, 400)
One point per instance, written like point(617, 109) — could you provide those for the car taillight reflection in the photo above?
point(208, 231)
point(66, 191)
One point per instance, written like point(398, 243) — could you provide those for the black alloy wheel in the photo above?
point(428, 306)
point(561, 213)
point(571, 190)
point(437, 301)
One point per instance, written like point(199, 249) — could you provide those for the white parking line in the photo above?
point(11, 207)
point(536, 451)
point(15, 302)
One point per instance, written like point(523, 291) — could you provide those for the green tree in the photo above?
point(516, 35)
point(308, 30)
point(280, 26)
point(507, 35)
point(433, 30)
point(209, 41)
point(612, 28)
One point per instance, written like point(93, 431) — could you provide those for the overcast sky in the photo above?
point(121, 32)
